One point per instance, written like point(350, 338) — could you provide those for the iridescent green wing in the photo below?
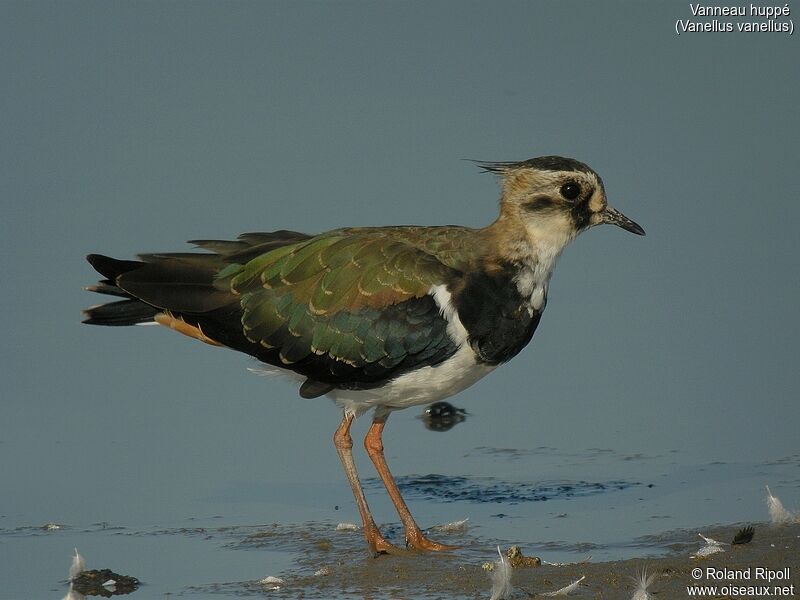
point(457, 247)
point(346, 308)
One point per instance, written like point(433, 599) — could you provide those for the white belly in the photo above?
point(428, 384)
point(423, 386)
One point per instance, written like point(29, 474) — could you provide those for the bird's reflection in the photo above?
point(442, 416)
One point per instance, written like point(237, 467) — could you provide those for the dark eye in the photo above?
point(570, 190)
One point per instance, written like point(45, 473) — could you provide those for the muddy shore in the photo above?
point(334, 565)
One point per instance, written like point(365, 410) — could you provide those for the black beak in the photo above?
point(613, 217)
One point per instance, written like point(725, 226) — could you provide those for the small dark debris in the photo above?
point(90, 583)
point(744, 535)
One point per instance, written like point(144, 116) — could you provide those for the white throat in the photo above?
point(546, 240)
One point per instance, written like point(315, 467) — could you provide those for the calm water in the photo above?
point(562, 504)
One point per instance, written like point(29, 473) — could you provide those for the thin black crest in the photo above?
point(541, 163)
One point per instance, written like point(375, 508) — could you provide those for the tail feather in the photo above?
point(130, 311)
point(108, 288)
point(175, 282)
point(250, 245)
point(123, 312)
point(111, 268)
point(182, 283)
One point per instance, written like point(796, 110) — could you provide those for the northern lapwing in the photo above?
point(376, 318)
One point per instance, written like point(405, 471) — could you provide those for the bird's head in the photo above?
point(555, 197)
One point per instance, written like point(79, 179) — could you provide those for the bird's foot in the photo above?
point(416, 541)
point(378, 545)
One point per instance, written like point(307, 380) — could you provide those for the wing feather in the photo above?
point(349, 308)
point(345, 307)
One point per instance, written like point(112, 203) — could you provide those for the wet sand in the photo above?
point(344, 571)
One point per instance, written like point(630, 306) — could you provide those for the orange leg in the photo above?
point(414, 537)
point(344, 448)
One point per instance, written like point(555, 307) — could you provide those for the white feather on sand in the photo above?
point(778, 515)
point(712, 542)
point(643, 581)
point(711, 547)
point(707, 550)
point(567, 589)
point(501, 578)
point(567, 564)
